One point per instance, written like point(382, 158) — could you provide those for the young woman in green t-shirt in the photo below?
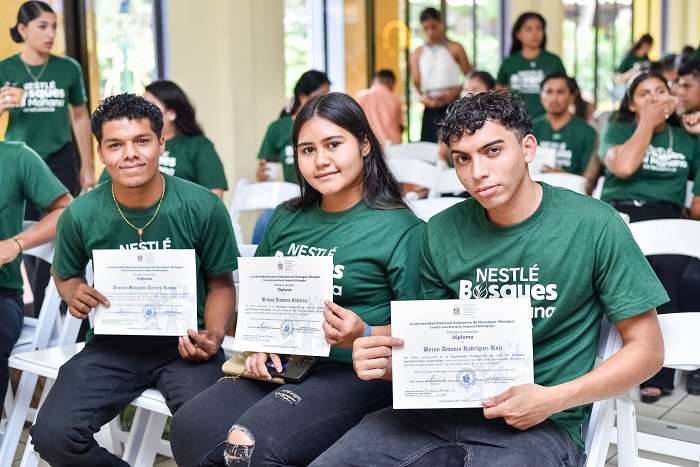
point(648, 159)
point(351, 207)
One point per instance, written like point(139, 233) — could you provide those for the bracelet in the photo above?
point(368, 330)
point(18, 244)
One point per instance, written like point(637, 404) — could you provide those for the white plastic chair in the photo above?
point(420, 150)
point(427, 208)
point(446, 182)
point(680, 237)
point(254, 196)
point(415, 171)
point(572, 182)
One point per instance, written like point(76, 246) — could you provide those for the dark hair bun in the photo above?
point(15, 35)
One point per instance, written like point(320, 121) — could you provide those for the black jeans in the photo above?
point(97, 383)
point(675, 272)
point(64, 165)
point(11, 317)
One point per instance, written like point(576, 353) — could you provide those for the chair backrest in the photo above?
point(447, 182)
point(421, 150)
point(572, 182)
point(598, 190)
point(680, 331)
point(427, 208)
point(689, 195)
point(261, 195)
point(667, 237)
point(415, 171)
point(245, 251)
point(597, 432)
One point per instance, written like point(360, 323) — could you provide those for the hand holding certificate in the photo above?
point(151, 292)
point(457, 352)
point(280, 305)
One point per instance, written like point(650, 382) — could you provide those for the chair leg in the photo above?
point(118, 435)
point(146, 431)
point(15, 419)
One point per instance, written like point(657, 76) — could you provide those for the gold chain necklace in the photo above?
point(140, 231)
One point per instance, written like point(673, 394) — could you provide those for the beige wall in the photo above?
point(229, 58)
point(684, 16)
point(553, 12)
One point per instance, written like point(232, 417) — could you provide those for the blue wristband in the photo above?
point(368, 331)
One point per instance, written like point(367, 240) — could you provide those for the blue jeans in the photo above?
point(97, 383)
point(290, 424)
point(11, 318)
point(450, 437)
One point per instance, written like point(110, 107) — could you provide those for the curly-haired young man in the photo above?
point(112, 370)
point(583, 253)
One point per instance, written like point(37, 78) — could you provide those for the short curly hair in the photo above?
point(129, 106)
point(470, 113)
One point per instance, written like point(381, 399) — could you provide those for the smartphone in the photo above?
point(294, 367)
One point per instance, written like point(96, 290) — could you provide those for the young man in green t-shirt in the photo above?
point(140, 209)
point(570, 136)
point(23, 177)
point(572, 255)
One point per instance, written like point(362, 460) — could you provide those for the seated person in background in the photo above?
point(479, 81)
point(189, 154)
point(514, 222)
point(571, 137)
point(24, 176)
point(687, 89)
point(139, 208)
point(383, 108)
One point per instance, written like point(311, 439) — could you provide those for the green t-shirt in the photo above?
point(23, 176)
point(43, 120)
point(375, 255)
point(664, 171)
point(191, 158)
point(190, 217)
point(277, 146)
point(574, 142)
point(629, 60)
point(521, 74)
point(573, 271)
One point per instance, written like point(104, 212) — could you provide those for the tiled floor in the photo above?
point(680, 407)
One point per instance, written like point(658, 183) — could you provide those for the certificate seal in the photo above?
point(287, 329)
point(466, 378)
point(150, 313)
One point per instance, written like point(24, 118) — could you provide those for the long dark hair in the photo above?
point(516, 46)
point(27, 12)
point(173, 97)
point(625, 114)
point(644, 39)
point(380, 188)
point(308, 83)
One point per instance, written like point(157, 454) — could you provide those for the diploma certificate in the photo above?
point(150, 292)
point(457, 352)
point(280, 304)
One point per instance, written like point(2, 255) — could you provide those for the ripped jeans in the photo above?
point(274, 425)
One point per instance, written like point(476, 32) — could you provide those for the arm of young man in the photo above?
point(44, 231)
point(640, 358)
point(218, 316)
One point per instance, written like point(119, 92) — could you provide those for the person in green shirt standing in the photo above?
point(188, 154)
point(510, 240)
point(44, 96)
point(351, 208)
point(573, 139)
point(528, 63)
point(648, 159)
point(638, 53)
point(143, 209)
point(23, 177)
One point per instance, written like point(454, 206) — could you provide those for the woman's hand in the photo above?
point(87, 179)
point(260, 173)
point(256, 364)
point(342, 326)
point(656, 113)
point(6, 101)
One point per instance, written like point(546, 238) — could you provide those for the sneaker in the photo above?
point(692, 382)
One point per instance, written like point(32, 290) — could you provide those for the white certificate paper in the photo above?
point(457, 352)
point(150, 292)
point(280, 304)
point(546, 155)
